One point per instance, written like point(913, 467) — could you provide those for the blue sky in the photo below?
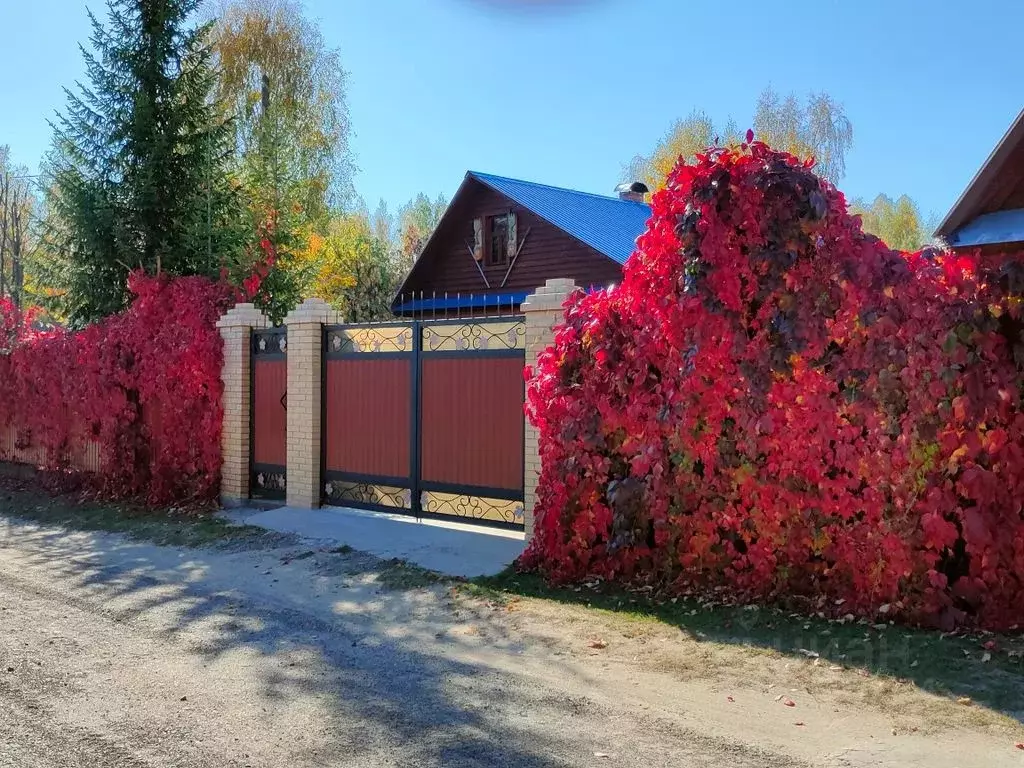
point(567, 96)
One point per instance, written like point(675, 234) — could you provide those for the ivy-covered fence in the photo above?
point(775, 405)
point(132, 404)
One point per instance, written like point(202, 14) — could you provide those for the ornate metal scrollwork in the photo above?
point(473, 507)
point(370, 338)
point(271, 481)
point(474, 335)
point(342, 492)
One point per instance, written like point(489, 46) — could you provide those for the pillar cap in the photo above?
point(244, 315)
point(550, 296)
point(312, 310)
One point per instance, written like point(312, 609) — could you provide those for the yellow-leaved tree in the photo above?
point(351, 267)
point(285, 91)
point(816, 127)
point(898, 223)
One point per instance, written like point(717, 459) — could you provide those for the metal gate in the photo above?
point(426, 418)
point(268, 414)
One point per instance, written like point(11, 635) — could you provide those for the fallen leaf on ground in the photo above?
point(598, 644)
point(991, 645)
point(799, 723)
point(789, 702)
point(730, 698)
point(1019, 745)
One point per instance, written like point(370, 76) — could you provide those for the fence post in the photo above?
point(305, 391)
point(235, 330)
point(543, 311)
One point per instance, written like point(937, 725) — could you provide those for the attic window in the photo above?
point(497, 240)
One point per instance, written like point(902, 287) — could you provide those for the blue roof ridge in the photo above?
point(484, 176)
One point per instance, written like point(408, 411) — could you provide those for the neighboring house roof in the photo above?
point(609, 225)
point(990, 228)
point(988, 210)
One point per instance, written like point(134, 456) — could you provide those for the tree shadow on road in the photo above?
point(396, 667)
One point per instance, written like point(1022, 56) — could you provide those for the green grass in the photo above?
point(134, 520)
point(950, 665)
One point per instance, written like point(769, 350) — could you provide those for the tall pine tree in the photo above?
point(139, 167)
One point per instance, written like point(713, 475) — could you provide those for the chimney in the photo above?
point(634, 191)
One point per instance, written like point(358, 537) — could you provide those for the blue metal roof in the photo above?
point(990, 228)
point(609, 225)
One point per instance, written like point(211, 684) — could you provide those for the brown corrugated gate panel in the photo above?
point(270, 417)
point(472, 421)
point(368, 416)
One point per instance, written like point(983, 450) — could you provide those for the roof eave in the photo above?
point(998, 228)
point(964, 208)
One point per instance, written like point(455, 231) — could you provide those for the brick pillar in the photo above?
point(543, 310)
point(305, 363)
point(235, 330)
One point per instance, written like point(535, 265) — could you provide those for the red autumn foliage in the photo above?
point(775, 406)
point(16, 325)
point(264, 263)
point(145, 385)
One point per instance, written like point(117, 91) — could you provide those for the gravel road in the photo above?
point(117, 654)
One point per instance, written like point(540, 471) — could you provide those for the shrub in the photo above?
point(775, 405)
point(144, 384)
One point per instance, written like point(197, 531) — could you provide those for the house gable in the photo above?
point(447, 264)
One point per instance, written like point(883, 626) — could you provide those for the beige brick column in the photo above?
point(543, 310)
point(235, 329)
point(305, 362)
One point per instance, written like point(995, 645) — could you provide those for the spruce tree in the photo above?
point(139, 167)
